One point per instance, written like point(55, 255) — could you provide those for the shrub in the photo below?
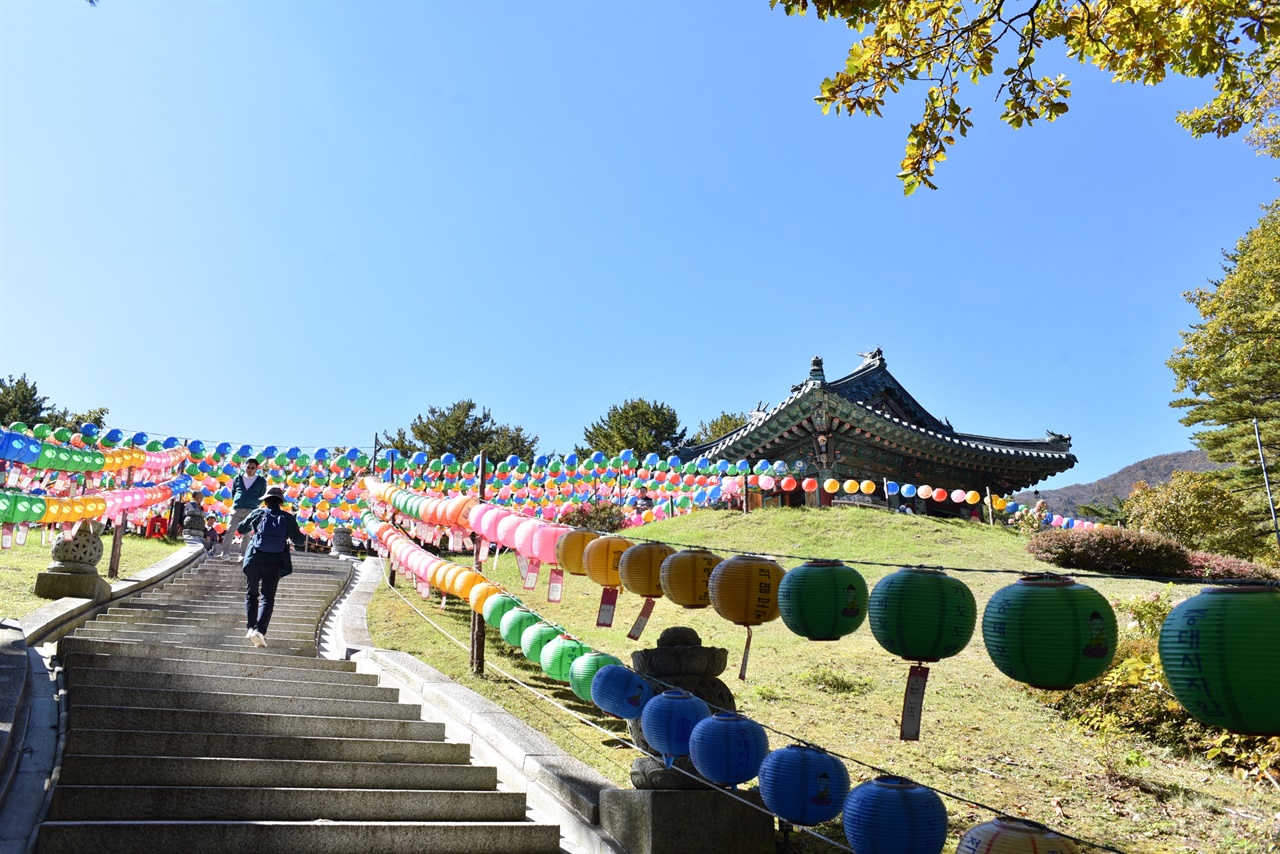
point(1195, 510)
point(1113, 550)
point(1209, 565)
point(596, 516)
point(1147, 613)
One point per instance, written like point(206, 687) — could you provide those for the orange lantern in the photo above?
point(600, 559)
point(569, 549)
point(640, 570)
point(744, 590)
point(684, 577)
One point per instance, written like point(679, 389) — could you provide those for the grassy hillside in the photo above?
point(984, 737)
point(1153, 470)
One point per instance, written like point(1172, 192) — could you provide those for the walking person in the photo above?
point(246, 493)
point(267, 532)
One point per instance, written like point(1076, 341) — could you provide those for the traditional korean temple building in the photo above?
point(866, 426)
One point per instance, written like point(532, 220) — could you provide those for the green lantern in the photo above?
point(154, 445)
point(535, 638)
point(62, 434)
point(19, 427)
point(823, 600)
point(1050, 633)
point(42, 431)
point(514, 622)
point(1221, 655)
point(48, 456)
point(922, 614)
point(497, 606)
point(559, 654)
point(584, 670)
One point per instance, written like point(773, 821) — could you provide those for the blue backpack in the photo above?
point(271, 535)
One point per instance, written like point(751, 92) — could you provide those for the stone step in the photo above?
point(228, 627)
point(213, 640)
point(219, 837)
point(237, 655)
point(110, 742)
point(110, 678)
point(250, 723)
point(81, 660)
point(152, 698)
point(81, 770)
point(192, 803)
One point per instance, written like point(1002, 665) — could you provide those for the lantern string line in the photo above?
point(790, 736)
point(612, 735)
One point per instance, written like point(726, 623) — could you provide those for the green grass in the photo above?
point(983, 737)
point(20, 565)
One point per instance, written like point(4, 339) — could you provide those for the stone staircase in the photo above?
point(182, 736)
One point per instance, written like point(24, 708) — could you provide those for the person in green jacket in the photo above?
point(246, 494)
point(267, 531)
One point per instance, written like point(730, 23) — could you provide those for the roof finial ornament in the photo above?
point(816, 373)
point(877, 353)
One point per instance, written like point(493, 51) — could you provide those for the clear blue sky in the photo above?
point(298, 223)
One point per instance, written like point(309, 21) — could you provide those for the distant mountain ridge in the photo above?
point(1153, 470)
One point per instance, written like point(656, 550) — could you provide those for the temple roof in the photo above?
point(870, 400)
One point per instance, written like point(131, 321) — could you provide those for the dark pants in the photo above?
point(260, 574)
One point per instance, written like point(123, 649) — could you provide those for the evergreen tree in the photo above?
point(721, 425)
point(462, 429)
point(1229, 367)
point(643, 426)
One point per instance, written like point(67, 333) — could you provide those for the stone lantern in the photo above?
point(74, 571)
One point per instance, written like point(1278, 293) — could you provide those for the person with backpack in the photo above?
point(246, 492)
point(266, 559)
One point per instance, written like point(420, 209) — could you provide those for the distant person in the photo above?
point(266, 559)
point(211, 536)
point(246, 493)
point(643, 501)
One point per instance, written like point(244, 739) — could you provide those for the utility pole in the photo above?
point(1271, 504)
point(477, 620)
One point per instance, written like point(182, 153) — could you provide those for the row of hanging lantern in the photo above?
point(20, 510)
point(1049, 631)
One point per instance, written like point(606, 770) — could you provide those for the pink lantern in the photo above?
point(766, 482)
point(476, 518)
point(507, 529)
point(524, 535)
point(545, 539)
point(490, 523)
point(549, 512)
point(958, 496)
point(925, 492)
point(729, 485)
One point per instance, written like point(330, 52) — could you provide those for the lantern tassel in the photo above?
point(913, 703)
point(746, 654)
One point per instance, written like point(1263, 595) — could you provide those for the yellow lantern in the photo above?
point(685, 576)
point(744, 590)
point(569, 549)
point(831, 485)
point(850, 486)
point(463, 582)
point(480, 594)
point(641, 568)
point(601, 559)
point(972, 497)
point(868, 487)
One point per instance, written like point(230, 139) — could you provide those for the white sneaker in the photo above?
point(258, 638)
point(249, 634)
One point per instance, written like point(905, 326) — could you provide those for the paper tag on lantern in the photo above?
point(608, 602)
point(531, 576)
point(20, 536)
point(913, 703)
point(444, 600)
point(482, 554)
point(637, 627)
point(12, 479)
point(455, 540)
point(436, 533)
point(522, 564)
point(6, 536)
point(75, 529)
point(555, 585)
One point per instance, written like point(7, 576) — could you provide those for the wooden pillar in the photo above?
point(117, 535)
point(477, 620)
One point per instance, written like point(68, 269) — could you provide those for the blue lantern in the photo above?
point(245, 450)
point(727, 748)
point(891, 488)
point(908, 491)
point(1012, 507)
point(673, 461)
point(89, 429)
point(620, 691)
point(668, 721)
point(803, 785)
point(893, 815)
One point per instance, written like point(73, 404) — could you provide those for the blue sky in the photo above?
point(299, 223)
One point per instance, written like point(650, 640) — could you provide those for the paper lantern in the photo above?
point(462, 582)
point(744, 590)
point(544, 542)
point(809, 484)
point(972, 497)
point(684, 577)
point(569, 550)
point(822, 600)
point(601, 559)
point(728, 748)
point(668, 721)
point(1050, 633)
point(788, 484)
point(514, 622)
point(1221, 655)
point(893, 815)
point(958, 496)
point(868, 487)
point(831, 486)
point(507, 528)
point(1004, 835)
point(803, 785)
point(922, 614)
point(584, 669)
point(640, 568)
point(534, 638)
point(620, 691)
point(481, 593)
point(559, 654)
